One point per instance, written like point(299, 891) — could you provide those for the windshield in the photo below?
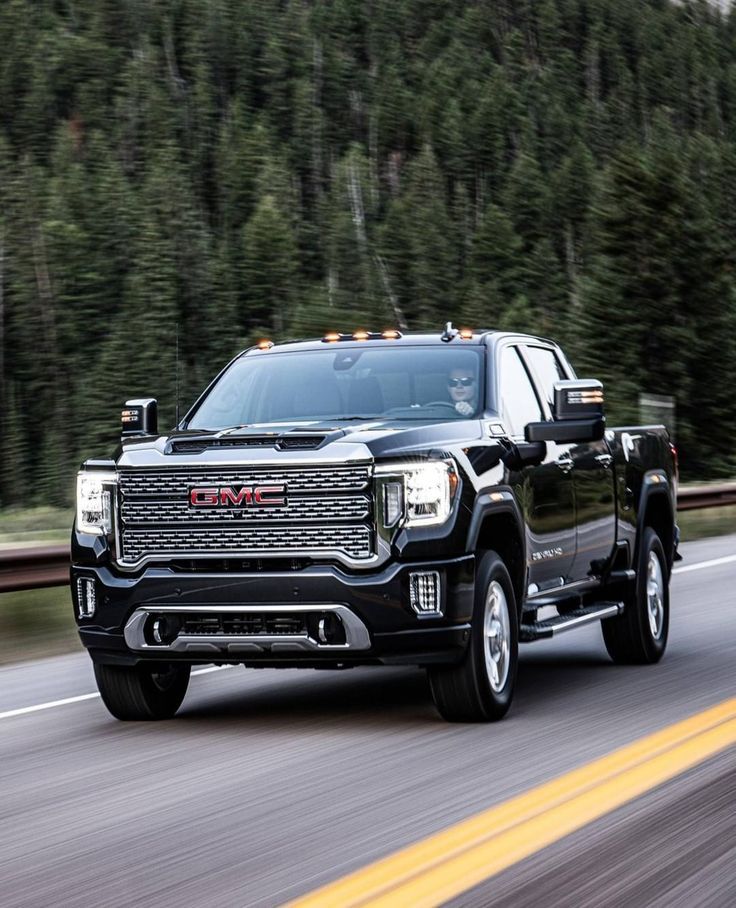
point(335, 384)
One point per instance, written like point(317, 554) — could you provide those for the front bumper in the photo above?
point(374, 608)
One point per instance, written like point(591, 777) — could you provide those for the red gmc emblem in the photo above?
point(240, 497)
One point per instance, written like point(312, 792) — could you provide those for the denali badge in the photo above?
point(238, 497)
point(556, 552)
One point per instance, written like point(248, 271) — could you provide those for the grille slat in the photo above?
point(147, 511)
point(353, 541)
point(178, 482)
point(245, 624)
point(328, 510)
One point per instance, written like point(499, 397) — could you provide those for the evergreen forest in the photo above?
point(179, 178)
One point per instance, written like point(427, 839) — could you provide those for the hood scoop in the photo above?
point(293, 440)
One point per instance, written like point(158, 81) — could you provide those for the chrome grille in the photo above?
point(328, 511)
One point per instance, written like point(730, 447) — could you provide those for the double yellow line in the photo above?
point(450, 862)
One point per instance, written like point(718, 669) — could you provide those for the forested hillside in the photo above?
point(249, 167)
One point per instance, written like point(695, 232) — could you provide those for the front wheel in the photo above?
point(639, 635)
point(480, 688)
point(143, 692)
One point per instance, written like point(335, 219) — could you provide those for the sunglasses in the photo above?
point(460, 382)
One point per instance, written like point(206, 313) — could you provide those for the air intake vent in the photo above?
point(301, 442)
point(197, 445)
point(295, 441)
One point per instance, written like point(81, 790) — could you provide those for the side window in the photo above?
point(518, 400)
point(548, 370)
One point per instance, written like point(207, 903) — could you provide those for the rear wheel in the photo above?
point(481, 687)
point(143, 692)
point(639, 635)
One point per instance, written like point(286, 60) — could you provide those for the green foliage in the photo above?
point(218, 170)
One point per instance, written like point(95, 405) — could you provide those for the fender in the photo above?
point(498, 500)
point(655, 483)
point(495, 503)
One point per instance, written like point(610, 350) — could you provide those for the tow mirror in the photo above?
point(139, 417)
point(578, 414)
point(518, 456)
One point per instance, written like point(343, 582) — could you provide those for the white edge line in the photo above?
point(698, 566)
point(34, 709)
point(23, 710)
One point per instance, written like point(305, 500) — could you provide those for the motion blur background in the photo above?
point(242, 168)
point(226, 170)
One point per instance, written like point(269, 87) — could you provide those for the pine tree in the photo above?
point(417, 241)
point(268, 267)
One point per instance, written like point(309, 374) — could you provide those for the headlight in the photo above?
point(94, 502)
point(420, 493)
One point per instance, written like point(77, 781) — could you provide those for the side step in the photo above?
point(577, 618)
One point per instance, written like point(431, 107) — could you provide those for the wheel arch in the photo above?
point(656, 511)
point(498, 525)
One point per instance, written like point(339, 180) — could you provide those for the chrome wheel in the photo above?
point(655, 603)
point(639, 635)
point(480, 687)
point(497, 636)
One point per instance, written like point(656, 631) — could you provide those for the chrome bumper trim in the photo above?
point(356, 633)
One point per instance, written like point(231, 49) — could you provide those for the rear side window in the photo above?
point(548, 370)
point(518, 399)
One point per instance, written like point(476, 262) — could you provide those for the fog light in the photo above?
point(326, 628)
point(86, 597)
point(425, 593)
point(164, 630)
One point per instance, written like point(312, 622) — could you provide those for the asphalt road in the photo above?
point(269, 784)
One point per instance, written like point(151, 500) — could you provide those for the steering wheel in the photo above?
point(440, 403)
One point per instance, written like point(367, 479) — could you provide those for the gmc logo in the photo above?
point(243, 496)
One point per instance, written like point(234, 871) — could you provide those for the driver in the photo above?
point(463, 390)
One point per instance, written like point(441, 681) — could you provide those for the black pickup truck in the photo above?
point(373, 498)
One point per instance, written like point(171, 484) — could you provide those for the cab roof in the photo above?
point(411, 338)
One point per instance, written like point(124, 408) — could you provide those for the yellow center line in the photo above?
point(450, 862)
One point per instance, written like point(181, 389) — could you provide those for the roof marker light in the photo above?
point(331, 337)
point(391, 334)
point(361, 335)
point(466, 334)
point(264, 344)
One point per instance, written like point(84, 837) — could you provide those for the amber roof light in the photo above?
point(362, 335)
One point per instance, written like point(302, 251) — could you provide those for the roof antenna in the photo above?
point(449, 332)
point(177, 374)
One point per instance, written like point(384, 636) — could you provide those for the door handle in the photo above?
point(605, 460)
point(565, 463)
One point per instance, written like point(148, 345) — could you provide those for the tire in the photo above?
point(639, 635)
point(144, 692)
point(480, 688)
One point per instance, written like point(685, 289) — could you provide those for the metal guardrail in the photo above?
point(692, 498)
point(34, 568)
point(43, 566)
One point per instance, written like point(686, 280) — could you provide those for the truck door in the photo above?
point(593, 479)
point(544, 492)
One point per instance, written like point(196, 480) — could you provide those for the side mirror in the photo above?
point(578, 414)
point(139, 417)
point(516, 457)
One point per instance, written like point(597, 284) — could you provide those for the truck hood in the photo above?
point(332, 441)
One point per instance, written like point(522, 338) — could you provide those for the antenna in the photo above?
point(177, 374)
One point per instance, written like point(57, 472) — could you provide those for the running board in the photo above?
point(567, 622)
